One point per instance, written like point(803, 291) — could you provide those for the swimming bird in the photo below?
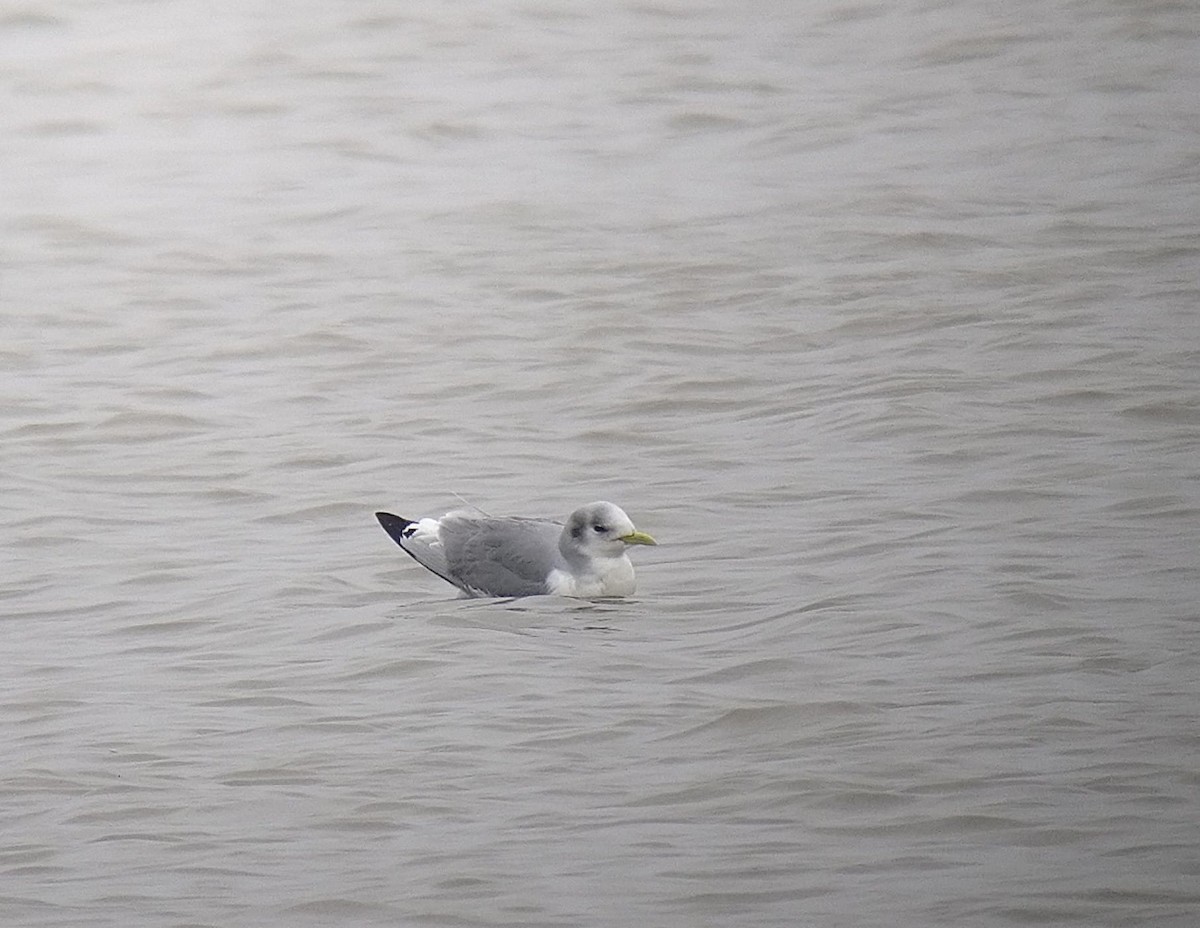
point(485, 555)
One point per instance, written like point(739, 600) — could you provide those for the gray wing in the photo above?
point(501, 557)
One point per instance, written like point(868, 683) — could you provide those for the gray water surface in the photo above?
point(883, 318)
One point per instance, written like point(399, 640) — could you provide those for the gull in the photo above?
point(486, 555)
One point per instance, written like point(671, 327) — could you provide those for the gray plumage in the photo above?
point(510, 556)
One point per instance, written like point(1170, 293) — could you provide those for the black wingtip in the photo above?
point(393, 525)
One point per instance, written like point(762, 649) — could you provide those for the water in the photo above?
point(882, 318)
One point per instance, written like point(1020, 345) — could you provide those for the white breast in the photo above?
point(610, 576)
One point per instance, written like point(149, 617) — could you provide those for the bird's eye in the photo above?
point(598, 529)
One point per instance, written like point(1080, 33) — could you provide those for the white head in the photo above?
point(600, 530)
